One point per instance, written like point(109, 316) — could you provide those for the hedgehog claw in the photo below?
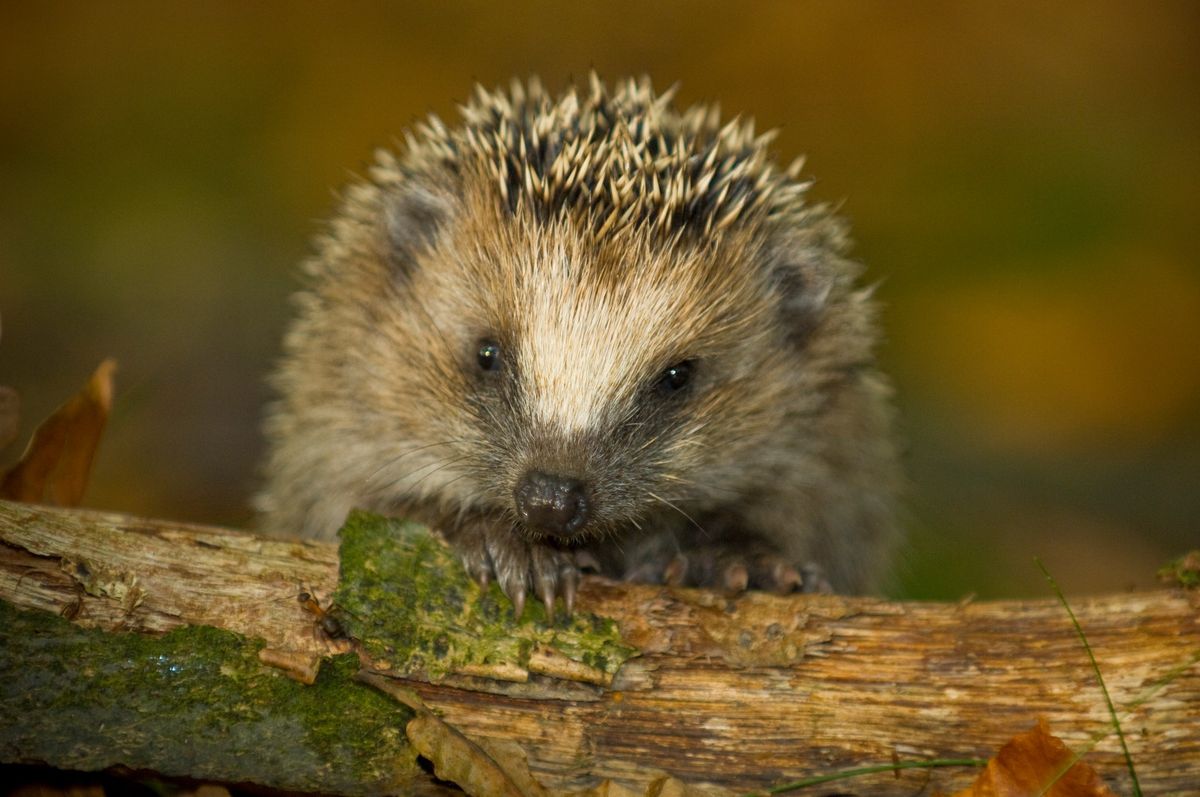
point(547, 597)
point(734, 571)
point(569, 579)
point(770, 572)
point(735, 578)
point(544, 585)
point(497, 552)
point(675, 573)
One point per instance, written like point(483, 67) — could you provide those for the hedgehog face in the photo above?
point(583, 313)
point(598, 382)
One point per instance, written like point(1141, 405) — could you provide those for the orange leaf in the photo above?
point(58, 459)
point(1036, 763)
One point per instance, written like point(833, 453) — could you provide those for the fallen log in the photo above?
point(726, 694)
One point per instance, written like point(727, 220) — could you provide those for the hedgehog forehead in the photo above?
point(585, 345)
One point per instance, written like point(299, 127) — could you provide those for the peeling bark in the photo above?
point(738, 693)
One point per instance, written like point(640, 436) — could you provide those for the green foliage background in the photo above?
point(1022, 177)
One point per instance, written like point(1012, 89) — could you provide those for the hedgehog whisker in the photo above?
point(442, 466)
point(677, 479)
point(406, 453)
point(452, 481)
point(412, 487)
point(668, 503)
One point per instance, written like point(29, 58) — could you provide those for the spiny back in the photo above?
point(615, 160)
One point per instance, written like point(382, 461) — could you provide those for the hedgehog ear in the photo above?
point(804, 283)
point(412, 217)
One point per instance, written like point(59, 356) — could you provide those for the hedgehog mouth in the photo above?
point(536, 534)
point(572, 532)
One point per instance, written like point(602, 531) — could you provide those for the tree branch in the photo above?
point(740, 693)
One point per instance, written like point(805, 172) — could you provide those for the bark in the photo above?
point(740, 693)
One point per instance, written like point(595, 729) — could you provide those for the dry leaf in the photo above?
point(457, 759)
point(511, 758)
point(56, 463)
point(295, 664)
point(1033, 763)
point(608, 788)
point(494, 767)
point(662, 786)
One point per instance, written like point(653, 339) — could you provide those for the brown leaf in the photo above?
point(296, 664)
point(457, 759)
point(661, 786)
point(1033, 763)
point(56, 463)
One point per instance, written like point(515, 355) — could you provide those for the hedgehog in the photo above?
point(589, 332)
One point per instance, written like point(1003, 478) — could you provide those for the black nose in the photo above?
point(553, 504)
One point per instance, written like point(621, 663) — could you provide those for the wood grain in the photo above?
point(738, 693)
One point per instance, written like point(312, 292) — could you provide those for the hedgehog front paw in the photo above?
point(734, 572)
point(498, 552)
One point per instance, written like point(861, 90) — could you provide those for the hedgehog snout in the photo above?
point(553, 504)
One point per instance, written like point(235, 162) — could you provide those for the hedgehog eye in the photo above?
point(488, 356)
point(675, 378)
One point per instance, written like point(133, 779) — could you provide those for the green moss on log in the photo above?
point(406, 597)
point(195, 702)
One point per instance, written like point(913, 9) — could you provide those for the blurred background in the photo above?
point(1022, 178)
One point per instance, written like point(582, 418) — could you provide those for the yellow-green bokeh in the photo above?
point(1022, 177)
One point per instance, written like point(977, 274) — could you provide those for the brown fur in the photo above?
point(599, 241)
